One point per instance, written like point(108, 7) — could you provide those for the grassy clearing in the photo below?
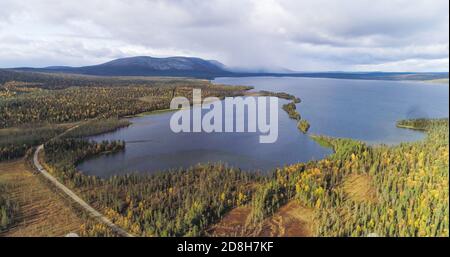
point(291, 220)
point(41, 211)
point(232, 224)
point(359, 188)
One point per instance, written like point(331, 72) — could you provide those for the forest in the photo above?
point(79, 103)
point(14, 142)
point(410, 187)
point(64, 80)
point(172, 203)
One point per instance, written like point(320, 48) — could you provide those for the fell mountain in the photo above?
point(146, 66)
point(209, 69)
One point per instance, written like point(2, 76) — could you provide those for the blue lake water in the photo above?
point(360, 109)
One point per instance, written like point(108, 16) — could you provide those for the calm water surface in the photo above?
point(359, 109)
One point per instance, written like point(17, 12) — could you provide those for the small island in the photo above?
point(303, 126)
point(291, 109)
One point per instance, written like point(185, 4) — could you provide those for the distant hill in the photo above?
point(209, 69)
point(146, 66)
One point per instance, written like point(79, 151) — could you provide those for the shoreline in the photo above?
point(148, 113)
point(411, 128)
point(444, 81)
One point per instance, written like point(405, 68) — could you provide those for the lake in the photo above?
point(360, 109)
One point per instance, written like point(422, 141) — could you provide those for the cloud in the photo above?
point(299, 35)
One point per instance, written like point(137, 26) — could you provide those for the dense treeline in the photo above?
point(75, 104)
point(281, 95)
point(14, 142)
point(61, 81)
point(73, 150)
point(173, 203)
point(96, 127)
point(58, 98)
point(417, 124)
point(410, 182)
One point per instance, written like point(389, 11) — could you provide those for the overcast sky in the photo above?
point(303, 35)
